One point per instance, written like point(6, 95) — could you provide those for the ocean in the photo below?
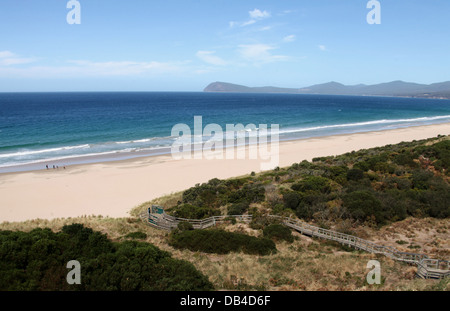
point(39, 129)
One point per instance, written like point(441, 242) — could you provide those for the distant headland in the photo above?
point(395, 88)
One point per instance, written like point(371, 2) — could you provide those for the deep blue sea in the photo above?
point(46, 128)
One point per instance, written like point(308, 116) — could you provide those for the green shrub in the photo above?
point(394, 206)
point(249, 193)
point(362, 165)
point(292, 200)
point(137, 235)
point(220, 192)
point(231, 219)
point(338, 170)
point(378, 161)
point(278, 232)
point(221, 242)
point(406, 159)
point(338, 174)
point(185, 226)
point(435, 203)
point(313, 183)
point(37, 261)
point(279, 209)
point(363, 204)
point(210, 194)
point(237, 208)
point(323, 159)
point(260, 221)
point(421, 179)
point(189, 211)
point(440, 152)
point(311, 202)
point(397, 183)
point(355, 174)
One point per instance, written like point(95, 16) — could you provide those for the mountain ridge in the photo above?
point(398, 88)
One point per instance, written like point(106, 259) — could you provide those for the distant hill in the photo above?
point(394, 88)
point(229, 87)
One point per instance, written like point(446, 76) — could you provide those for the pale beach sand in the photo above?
point(114, 188)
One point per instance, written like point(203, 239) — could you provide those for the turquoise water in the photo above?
point(41, 129)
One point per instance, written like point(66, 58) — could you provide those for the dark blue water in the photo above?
point(44, 127)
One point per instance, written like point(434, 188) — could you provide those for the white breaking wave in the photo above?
point(33, 152)
point(78, 156)
point(384, 121)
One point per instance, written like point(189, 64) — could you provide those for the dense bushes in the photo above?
point(310, 203)
point(380, 185)
point(291, 200)
point(439, 153)
point(237, 208)
point(221, 242)
point(278, 232)
point(204, 200)
point(137, 235)
point(355, 174)
point(37, 261)
point(434, 203)
point(421, 179)
point(405, 159)
point(363, 204)
point(193, 212)
point(184, 226)
point(249, 193)
point(313, 183)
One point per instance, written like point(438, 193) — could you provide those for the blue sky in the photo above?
point(173, 45)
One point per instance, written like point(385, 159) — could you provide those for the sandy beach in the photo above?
point(114, 188)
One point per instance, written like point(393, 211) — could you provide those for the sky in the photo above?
point(174, 45)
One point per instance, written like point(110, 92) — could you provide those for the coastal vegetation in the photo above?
point(221, 242)
point(36, 260)
point(396, 195)
point(372, 187)
point(278, 232)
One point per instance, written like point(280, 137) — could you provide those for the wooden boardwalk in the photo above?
point(427, 268)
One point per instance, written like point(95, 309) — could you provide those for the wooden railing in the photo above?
point(426, 268)
point(433, 268)
point(167, 222)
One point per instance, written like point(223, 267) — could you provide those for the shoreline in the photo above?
point(113, 188)
point(285, 135)
point(118, 156)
